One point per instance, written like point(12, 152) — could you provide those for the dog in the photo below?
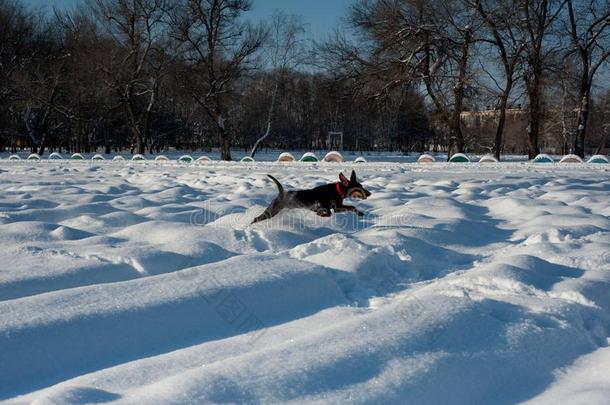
point(320, 200)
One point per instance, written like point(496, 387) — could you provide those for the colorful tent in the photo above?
point(425, 158)
point(459, 158)
point(309, 157)
point(543, 158)
point(571, 159)
point(188, 159)
point(598, 159)
point(333, 156)
point(286, 157)
point(488, 159)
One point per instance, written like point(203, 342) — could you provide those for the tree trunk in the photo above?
point(137, 133)
point(583, 115)
point(602, 143)
point(533, 129)
point(42, 147)
point(501, 124)
point(269, 121)
point(225, 147)
point(140, 147)
point(508, 68)
point(456, 138)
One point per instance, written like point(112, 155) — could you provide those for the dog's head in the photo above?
point(351, 188)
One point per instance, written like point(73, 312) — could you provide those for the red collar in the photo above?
point(338, 187)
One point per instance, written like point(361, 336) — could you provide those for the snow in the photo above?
point(143, 282)
point(586, 382)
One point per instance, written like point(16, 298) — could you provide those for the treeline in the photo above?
point(465, 54)
point(148, 75)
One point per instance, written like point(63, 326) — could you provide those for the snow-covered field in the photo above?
point(143, 283)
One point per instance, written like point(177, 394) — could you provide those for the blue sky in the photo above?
point(320, 15)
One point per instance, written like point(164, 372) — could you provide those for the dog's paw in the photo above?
point(324, 213)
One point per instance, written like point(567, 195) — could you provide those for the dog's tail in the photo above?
point(279, 186)
point(275, 206)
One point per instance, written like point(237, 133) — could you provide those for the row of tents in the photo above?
point(310, 157)
point(541, 158)
point(284, 157)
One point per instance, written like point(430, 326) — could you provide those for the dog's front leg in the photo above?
point(323, 212)
point(349, 208)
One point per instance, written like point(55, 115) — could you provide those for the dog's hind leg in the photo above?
point(271, 211)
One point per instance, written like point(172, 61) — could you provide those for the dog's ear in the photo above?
point(343, 179)
point(353, 177)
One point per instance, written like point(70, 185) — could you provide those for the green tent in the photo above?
point(309, 157)
point(459, 158)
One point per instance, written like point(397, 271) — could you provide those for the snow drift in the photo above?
point(135, 283)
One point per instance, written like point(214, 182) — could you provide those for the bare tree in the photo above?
point(501, 21)
point(217, 48)
point(538, 17)
point(40, 85)
point(405, 42)
point(285, 51)
point(445, 66)
point(17, 48)
point(589, 23)
point(132, 72)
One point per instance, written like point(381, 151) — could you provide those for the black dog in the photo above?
point(320, 199)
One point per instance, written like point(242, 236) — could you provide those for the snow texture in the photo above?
point(143, 282)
